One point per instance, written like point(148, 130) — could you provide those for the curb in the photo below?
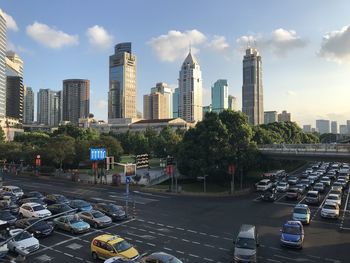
point(184, 193)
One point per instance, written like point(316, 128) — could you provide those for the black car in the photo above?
point(5, 215)
point(115, 212)
point(59, 208)
point(269, 195)
point(40, 229)
point(35, 194)
point(31, 200)
point(9, 205)
point(56, 199)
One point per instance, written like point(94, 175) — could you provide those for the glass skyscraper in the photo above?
point(219, 95)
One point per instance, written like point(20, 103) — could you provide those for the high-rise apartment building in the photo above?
point(122, 83)
point(348, 126)
point(284, 116)
point(307, 128)
point(343, 129)
point(49, 105)
point(2, 64)
point(28, 105)
point(75, 99)
point(176, 97)
point(334, 127)
point(155, 106)
point(232, 102)
point(270, 117)
point(14, 64)
point(252, 89)
point(167, 91)
point(190, 88)
point(219, 95)
point(14, 97)
point(323, 126)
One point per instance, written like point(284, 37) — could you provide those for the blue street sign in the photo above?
point(97, 154)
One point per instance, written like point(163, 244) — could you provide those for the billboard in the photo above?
point(130, 169)
point(97, 154)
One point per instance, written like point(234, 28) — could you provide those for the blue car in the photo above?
point(71, 223)
point(81, 205)
point(292, 234)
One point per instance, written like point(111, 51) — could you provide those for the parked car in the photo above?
point(159, 257)
point(95, 218)
point(5, 215)
point(107, 246)
point(334, 198)
point(269, 195)
point(336, 191)
point(292, 180)
point(71, 223)
point(81, 205)
point(246, 244)
point(3, 249)
point(282, 186)
point(35, 194)
point(115, 212)
point(263, 185)
point(320, 187)
point(313, 197)
point(312, 179)
point(33, 210)
point(292, 234)
point(18, 192)
point(293, 193)
point(325, 180)
point(60, 208)
point(342, 181)
point(22, 240)
point(39, 229)
point(330, 210)
point(338, 184)
point(301, 188)
point(306, 183)
point(301, 212)
point(31, 200)
point(56, 199)
point(9, 205)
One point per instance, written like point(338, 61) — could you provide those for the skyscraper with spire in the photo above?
point(252, 89)
point(190, 90)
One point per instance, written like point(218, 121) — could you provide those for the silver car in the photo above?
point(95, 218)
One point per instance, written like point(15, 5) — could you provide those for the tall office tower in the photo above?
point(122, 83)
point(2, 64)
point(348, 126)
point(307, 128)
point(334, 127)
point(28, 105)
point(232, 102)
point(190, 88)
point(14, 64)
point(252, 89)
point(14, 97)
point(343, 129)
point(284, 116)
point(322, 126)
point(155, 106)
point(76, 99)
point(176, 97)
point(49, 107)
point(219, 95)
point(167, 91)
point(270, 117)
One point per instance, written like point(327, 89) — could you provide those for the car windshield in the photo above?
point(114, 208)
point(16, 190)
point(61, 198)
point(332, 197)
point(328, 206)
point(300, 211)
point(81, 203)
point(74, 220)
point(38, 208)
point(282, 184)
point(22, 235)
point(293, 230)
point(247, 243)
point(97, 214)
point(312, 195)
point(319, 185)
point(121, 246)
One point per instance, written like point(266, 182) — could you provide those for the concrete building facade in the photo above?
point(270, 117)
point(252, 89)
point(307, 128)
point(232, 103)
point(343, 129)
point(28, 105)
point(219, 95)
point(167, 91)
point(155, 106)
point(176, 97)
point(334, 127)
point(2, 64)
point(284, 116)
point(122, 83)
point(49, 105)
point(323, 126)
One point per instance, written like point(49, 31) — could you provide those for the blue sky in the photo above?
point(305, 47)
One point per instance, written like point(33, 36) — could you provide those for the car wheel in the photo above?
point(95, 225)
point(94, 255)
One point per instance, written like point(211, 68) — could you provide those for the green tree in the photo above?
point(37, 139)
point(166, 142)
point(76, 132)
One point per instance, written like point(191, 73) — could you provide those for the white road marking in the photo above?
point(181, 252)
point(151, 244)
point(74, 246)
point(208, 259)
point(195, 256)
point(69, 255)
point(273, 260)
point(166, 248)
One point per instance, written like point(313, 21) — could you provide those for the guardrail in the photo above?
point(319, 148)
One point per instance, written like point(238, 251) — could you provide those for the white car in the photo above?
point(330, 210)
point(326, 180)
point(22, 240)
point(263, 185)
point(282, 186)
point(33, 210)
point(18, 192)
point(334, 198)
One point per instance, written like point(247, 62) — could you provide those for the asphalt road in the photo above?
point(195, 229)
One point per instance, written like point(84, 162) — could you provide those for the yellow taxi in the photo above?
point(107, 246)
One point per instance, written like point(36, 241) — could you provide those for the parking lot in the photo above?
point(194, 229)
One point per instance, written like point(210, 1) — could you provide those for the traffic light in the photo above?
point(170, 160)
point(142, 160)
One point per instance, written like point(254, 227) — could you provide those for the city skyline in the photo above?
point(285, 42)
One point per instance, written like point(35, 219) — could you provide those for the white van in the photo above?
point(246, 244)
point(18, 192)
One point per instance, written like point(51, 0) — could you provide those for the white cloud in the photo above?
point(16, 48)
point(50, 37)
point(280, 42)
point(102, 104)
point(336, 45)
point(174, 45)
point(219, 44)
point(10, 22)
point(291, 93)
point(99, 37)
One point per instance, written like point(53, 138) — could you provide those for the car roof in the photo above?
point(301, 206)
point(16, 231)
point(333, 195)
point(160, 256)
point(293, 223)
point(110, 239)
point(31, 204)
point(331, 203)
point(11, 186)
point(246, 231)
point(265, 180)
point(312, 192)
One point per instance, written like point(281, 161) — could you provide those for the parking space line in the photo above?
point(281, 197)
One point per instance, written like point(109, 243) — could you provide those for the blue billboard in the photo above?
point(97, 154)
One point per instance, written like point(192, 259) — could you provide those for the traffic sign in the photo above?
point(97, 154)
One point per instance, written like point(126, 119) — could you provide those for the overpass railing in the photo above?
point(326, 148)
